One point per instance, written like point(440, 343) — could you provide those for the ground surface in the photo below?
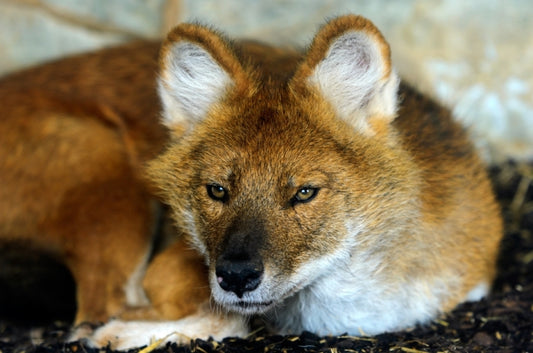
point(501, 323)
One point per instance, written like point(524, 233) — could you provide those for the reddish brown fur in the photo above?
point(177, 285)
point(75, 134)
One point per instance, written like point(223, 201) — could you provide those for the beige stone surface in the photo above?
point(33, 31)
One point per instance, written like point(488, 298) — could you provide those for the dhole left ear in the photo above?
point(198, 68)
point(349, 64)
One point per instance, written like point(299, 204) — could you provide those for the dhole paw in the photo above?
point(81, 332)
point(123, 335)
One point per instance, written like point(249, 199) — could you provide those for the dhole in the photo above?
point(322, 193)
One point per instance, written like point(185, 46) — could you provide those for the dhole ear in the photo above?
point(197, 69)
point(349, 64)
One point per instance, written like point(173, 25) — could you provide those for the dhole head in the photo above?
point(278, 178)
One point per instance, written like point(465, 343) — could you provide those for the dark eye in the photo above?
point(217, 192)
point(305, 194)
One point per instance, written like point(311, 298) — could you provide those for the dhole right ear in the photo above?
point(197, 69)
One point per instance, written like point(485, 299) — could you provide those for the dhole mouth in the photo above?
point(254, 307)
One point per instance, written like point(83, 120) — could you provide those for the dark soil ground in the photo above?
point(501, 323)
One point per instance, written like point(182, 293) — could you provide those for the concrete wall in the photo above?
point(475, 56)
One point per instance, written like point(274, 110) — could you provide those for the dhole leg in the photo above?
point(175, 283)
point(107, 230)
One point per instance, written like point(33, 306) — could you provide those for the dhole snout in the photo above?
point(239, 268)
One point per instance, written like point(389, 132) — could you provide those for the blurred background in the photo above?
point(474, 56)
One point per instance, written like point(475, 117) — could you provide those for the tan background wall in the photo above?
point(476, 56)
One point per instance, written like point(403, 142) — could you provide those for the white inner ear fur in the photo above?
point(190, 84)
point(351, 78)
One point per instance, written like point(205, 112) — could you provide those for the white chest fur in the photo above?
point(355, 300)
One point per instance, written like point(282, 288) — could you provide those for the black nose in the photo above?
point(239, 276)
